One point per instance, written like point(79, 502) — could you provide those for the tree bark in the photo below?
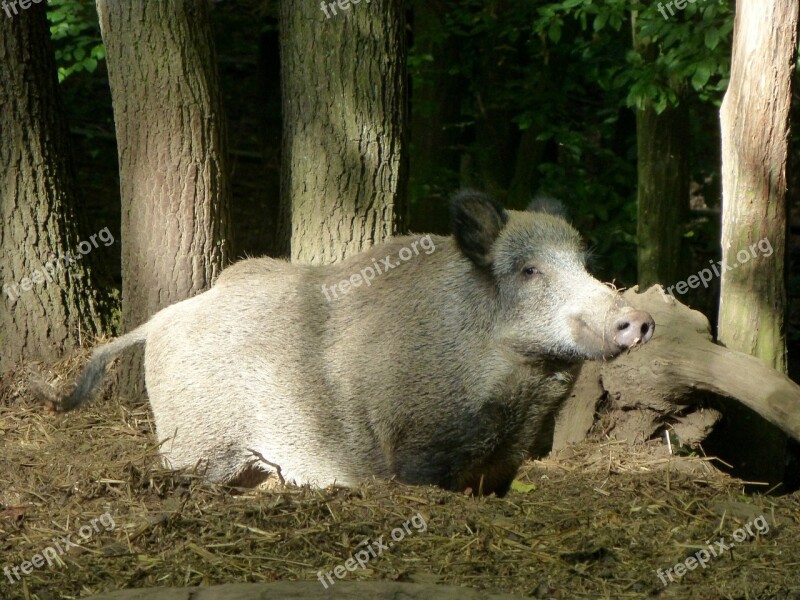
point(755, 119)
point(170, 135)
point(662, 146)
point(343, 81)
point(51, 297)
point(755, 136)
point(662, 154)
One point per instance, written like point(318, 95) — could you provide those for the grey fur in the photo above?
point(89, 381)
point(445, 370)
point(546, 204)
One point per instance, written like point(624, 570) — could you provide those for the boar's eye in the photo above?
point(531, 271)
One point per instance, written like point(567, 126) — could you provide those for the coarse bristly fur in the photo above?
point(446, 369)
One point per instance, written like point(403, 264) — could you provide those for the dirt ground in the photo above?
point(596, 521)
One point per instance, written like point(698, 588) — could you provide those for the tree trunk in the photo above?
point(270, 122)
point(662, 146)
point(170, 135)
point(50, 295)
point(490, 165)
point(755, 135)
point(662, 149)
point(343, 81)
point(523, 185)
point(436, 136)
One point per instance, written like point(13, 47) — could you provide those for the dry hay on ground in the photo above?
point(595, 521)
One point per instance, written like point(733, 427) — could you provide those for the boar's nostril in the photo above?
point(634, 328)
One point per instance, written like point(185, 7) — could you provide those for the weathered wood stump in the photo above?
point(658, 383)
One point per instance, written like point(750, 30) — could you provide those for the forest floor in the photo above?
point(86, 490)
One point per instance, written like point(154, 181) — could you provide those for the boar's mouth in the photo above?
point(558, 359)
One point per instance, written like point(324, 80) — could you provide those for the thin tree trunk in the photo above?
point(170, 135)
point(436, 136)
point(755, 119)
point(51, 298)
point(270, 122)
point(662, 153)
point(490, 164)
point(662, 147)
point(526, 169)
point(343, 79)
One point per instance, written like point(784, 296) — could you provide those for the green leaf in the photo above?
point(554, 32)
point(712, 38)
point(701, 76)
point(600, 21)
point(522, 488)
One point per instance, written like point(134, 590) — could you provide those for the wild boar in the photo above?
point(444, 367)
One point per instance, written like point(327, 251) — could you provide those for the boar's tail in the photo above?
point(95, 371)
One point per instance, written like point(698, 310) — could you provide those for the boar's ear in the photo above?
point(547, 205)
point(477, 221)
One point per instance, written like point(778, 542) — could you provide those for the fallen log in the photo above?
point(658, 383)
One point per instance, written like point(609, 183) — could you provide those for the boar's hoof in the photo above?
point(635, 327)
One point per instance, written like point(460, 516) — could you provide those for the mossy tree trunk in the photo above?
point(343, 80)
point(755, 135)
point(51, 298)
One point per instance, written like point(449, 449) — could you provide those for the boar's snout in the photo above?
point(634, 327)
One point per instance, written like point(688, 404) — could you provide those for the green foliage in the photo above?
point(692, 50)
point(569, 72)
point(75, 32)
point(688, 49)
